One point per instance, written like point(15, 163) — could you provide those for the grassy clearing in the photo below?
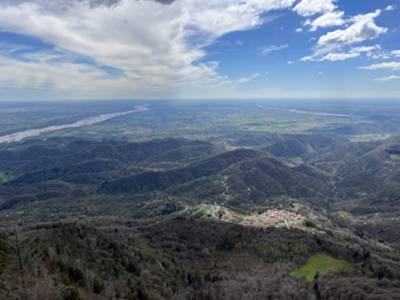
point(321, 263)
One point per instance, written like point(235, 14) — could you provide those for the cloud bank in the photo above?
point(157, 48)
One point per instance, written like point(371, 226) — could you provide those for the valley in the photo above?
point(222, 212)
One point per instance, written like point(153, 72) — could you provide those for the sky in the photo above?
point(197, 49)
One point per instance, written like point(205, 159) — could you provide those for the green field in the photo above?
point(321, 263)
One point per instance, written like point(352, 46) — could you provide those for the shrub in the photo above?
point(70, 293)
point(98, 286)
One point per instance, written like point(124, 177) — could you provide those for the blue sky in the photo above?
point(193, 49)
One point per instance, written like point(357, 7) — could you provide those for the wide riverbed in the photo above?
point(19, 136)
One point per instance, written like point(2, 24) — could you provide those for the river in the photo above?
point(19, 136)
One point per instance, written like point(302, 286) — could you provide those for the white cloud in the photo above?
point(273, 48)
point(39, 74)
point(363, 28)
point(337, 56)
point(390, 7)
point(308, 8)
point(388, 78)
point(396, 53)
point(393, 65)
point(365, 49)
point(329, 19)
point(9, 49)
point(351, 53)
point(307, 58)
point(156, 47)
point(360, 28)
point(247, 79)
